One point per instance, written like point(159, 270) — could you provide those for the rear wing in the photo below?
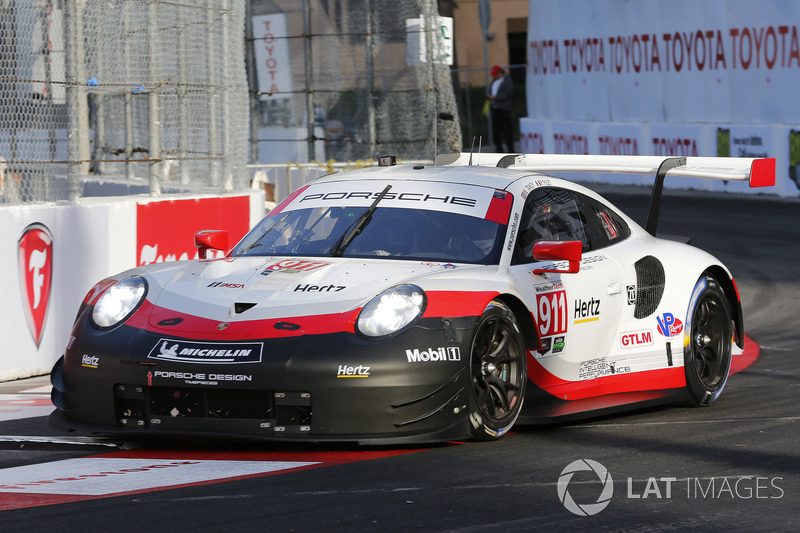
point(757, 172)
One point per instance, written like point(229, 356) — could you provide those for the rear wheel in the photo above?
point(707, 355)
point(497, 367)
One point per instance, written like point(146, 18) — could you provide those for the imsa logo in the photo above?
point(449, 353)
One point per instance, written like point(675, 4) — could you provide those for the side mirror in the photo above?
point(558, 251)
point(210, 239)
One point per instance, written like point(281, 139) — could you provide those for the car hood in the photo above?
point(245, 289)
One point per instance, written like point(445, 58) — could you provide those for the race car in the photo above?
point(413, 303)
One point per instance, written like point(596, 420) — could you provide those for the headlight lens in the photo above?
point(119, 302)
point(392, 311)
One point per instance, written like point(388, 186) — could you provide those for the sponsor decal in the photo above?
point(293, 266)
point(669, 325)
point(512, 234)
point(90, 361)
point(634, 339)
point(201, 378)
point(547, 344)
point(596, 368)
point(586, 263)
point(551, 311)
point(402, 196)
point(205, 352)
point(631, 294)
point(359, 371)
point(449, 265)
point(430, 264)
point(35, 259)
point(319, 288)
point(612, 232)
point(551, 346)
point(586, 311)
point(448, 353)
point(222, 285)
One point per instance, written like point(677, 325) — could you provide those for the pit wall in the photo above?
point(52, 255)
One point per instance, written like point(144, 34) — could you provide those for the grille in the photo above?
point(649, 286)
point(136, 405)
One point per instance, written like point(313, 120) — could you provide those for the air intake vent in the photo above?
point(649, 286)
point(241, 307)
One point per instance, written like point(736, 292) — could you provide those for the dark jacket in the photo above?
point(502, 99)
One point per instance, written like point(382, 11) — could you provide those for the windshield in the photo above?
point(397, 233)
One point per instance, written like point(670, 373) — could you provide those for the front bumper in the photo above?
point(412, 388)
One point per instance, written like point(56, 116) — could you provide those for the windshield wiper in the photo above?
point(358, 225)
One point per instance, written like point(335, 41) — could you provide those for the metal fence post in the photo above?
point(370, 67)
point(154, 104)
point(77, 105)
point(308, 70)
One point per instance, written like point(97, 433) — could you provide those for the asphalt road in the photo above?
point(732, 466)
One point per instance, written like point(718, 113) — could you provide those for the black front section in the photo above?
point(338, 386)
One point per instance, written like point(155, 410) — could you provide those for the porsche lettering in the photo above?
point(403, 196)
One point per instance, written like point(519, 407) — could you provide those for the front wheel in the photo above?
point(707, 354)
point(497, 368)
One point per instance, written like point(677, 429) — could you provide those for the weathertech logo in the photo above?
point(450, 353)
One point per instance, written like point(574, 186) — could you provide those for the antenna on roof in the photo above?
point(471, 150)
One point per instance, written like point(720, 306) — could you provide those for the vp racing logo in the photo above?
point(585, 509)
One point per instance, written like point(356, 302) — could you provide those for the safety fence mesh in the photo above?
point(113, 97)
point(116, 96)
point(371, 73)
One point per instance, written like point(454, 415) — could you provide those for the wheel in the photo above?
point(497, 368)
point(707, 355)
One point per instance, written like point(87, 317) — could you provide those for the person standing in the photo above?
point(500, 93)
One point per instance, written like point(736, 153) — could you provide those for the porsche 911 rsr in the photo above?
point(413, 304)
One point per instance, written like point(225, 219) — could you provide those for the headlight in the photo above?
point(392, 311)
point(119, 302)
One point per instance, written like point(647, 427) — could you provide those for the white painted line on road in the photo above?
point(99, 476)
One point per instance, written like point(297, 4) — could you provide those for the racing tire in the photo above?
point(707, 352)
point(497, 371)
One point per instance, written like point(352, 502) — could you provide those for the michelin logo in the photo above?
point(450, 353)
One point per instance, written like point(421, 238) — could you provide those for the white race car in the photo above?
point(413, 304)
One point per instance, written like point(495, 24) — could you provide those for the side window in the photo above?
point(549, 214)
point(603, 226)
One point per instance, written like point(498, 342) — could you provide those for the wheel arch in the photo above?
point(729, 287)
point(525, 320)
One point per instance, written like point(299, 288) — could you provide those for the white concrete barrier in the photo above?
point(53, 254)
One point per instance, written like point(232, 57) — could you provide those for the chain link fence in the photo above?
point(116, 96)
point(112, 97)
point(354, 79)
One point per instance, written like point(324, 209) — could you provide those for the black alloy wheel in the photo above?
point(497, 367)
point(707, 357)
